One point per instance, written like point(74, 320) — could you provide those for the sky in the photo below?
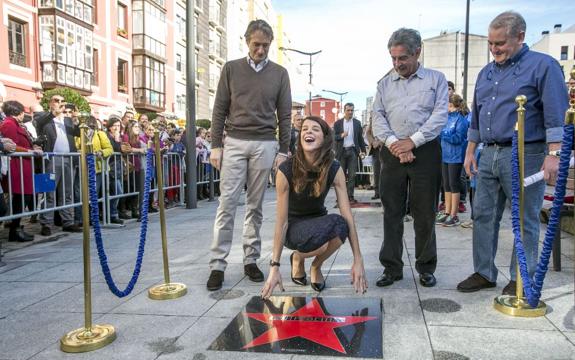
point(353, 35)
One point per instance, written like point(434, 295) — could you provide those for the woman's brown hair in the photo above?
point(301, 169)
point(133, 139)
point(460, 104)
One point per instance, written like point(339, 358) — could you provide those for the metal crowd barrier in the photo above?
point(129, 170)
point(45, 170)
point(208, 176)
point(364, 166)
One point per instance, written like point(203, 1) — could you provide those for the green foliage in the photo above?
point(204, 123)
point(71, 96)
point(151, 115)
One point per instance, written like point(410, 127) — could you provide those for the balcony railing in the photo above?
point(215, 15)
point(214, 80)
point(17, 59)
point(216, 50)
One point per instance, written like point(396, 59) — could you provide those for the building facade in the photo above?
point(446, 53)
point(119, 54)
point(20, 71)
point(560, 44)
point(323, 107)
point(210, 46)
point(366, 114)
point(244, 11)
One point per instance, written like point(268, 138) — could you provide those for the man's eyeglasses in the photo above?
point(58, 100)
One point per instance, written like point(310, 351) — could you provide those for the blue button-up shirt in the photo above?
point(535, 75)
point(414, 108)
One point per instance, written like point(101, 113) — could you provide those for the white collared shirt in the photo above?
point(348, 126)
point(258, 67)
point(61, 144)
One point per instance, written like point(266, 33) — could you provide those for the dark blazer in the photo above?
point(359, 143)
point(45, 126)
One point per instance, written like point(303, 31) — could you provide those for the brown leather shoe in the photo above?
point(510, 289)
point(253, 273)
point(474, 283)
point(72, 228)
point(46, 231)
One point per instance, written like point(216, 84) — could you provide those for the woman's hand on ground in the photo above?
point(274, 279)
point(358, 279)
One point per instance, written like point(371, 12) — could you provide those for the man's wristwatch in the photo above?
point(274, 263)
point(556, 153)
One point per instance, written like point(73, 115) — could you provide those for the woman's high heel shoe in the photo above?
point(299, 280)
point(318, 286)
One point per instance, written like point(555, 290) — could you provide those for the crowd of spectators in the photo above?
point(47, 142)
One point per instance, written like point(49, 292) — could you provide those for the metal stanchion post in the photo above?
point(570, 118)
point(1, 262)
point(212, 170)
point(509, 304)
point(168, 290)
point(90, 337)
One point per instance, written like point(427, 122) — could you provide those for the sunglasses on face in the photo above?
point(57, 100)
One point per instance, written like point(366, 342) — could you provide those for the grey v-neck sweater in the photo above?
point(246, 104)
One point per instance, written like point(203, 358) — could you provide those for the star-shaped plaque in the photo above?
point(317, 326)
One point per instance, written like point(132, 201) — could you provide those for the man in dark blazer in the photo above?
point(59, 131)
point(349, 144)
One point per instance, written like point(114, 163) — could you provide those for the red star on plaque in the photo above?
point(309, 322)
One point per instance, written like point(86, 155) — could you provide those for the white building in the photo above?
point(365, 114)
point(446, 53)
point(210, 46)
point(560, 45)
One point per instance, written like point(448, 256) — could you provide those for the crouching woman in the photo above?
point(302, 222)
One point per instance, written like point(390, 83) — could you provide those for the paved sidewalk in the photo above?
point(41, 295)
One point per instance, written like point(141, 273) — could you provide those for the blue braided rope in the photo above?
point(519, 250)
point(98, 231)
point(533, 288)
point(554, 218)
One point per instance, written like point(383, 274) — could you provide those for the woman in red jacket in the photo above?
point(21, 174)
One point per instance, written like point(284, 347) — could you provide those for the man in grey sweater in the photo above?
point(250, 92)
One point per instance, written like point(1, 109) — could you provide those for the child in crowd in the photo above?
point(176, 146)
point(453, 145)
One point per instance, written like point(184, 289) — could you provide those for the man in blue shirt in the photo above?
point(515, 71)
point(409, 111)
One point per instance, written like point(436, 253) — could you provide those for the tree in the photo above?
point(204, 123)
point(151, 115)
point(71, 96)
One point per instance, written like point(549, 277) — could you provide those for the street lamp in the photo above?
point(310, 54)
point(341, 95)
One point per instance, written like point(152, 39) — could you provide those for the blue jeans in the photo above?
point(493, 190)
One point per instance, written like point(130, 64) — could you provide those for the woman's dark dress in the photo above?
point(309, 224)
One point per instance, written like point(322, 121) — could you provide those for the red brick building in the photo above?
point(324, 108)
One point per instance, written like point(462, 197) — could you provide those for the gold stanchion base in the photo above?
point(167, 291)
point(82, 340)
point(511, 305)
